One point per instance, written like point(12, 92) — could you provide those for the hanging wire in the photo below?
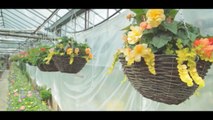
point(184, 23)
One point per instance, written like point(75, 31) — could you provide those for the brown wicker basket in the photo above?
point(62, 63)
point(41, 67)
point(1, 74)
point(48, 67)
point(165, 86)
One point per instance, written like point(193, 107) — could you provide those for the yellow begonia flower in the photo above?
point(51, 50)
point(61, 54)
point(155, 17)
point(49, 57)
point(134, 35)
point(76, 51)
point(60, 46)
point(136, 55)
point(69, 51)
point(129, 57)
point(140, 51)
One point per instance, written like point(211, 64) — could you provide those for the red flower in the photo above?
point(196, 42)
point(211, 41)
point(206, 46)
point(43, 49)
point(208, 51)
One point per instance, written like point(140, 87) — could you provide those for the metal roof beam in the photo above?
point(26, 36)
point(17, 31)
point(97, 14)
point(66, 18)
point(38, 28)
point(42, 15)
point(2, 18)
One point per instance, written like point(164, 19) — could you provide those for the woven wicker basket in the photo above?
point(62, 63)
point(41, 67)
point(48, 67)
point(1, 72)
point(165, 86)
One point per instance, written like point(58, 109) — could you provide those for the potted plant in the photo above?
point(165, 60)
point(43, 53)
point(69, 56)
point(32, 56)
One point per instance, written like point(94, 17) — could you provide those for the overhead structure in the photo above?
point(19, 27)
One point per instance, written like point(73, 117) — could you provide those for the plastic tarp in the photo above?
point(93, 89)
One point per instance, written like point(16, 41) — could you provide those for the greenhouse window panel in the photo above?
point(18, 17)
point(12, 23)
point(43, 16)
point(44, 22)
point(15, 17)
point(11, 26)
point(23, 16)
point(66, 18)
point(29, 15)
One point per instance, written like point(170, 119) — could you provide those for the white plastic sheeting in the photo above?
point(93, 89)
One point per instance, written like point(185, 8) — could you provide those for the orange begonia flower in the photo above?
point(87, 50)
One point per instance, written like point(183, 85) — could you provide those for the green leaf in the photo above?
point(172, 13)
point(126, 28)
point(161, 41)
point(171, 26)
point(192, 36)
point(139, 11)
point(183, 35)
point(148, 31)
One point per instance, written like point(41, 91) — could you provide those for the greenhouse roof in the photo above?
point(19, 26)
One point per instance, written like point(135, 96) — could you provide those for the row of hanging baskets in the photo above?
point(66, 56)
point(164, 60)
point(61, 63)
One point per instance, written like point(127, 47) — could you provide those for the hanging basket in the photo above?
point(48, 67)
point(41, 67)
point(1, 72)
point(165, 86)
point(62, 63)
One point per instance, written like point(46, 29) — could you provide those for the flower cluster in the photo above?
point(188, 72)
point(69, 47)
point(204, 47)
point(154, 31)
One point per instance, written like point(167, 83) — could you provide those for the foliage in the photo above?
point(44, 93)
point(21, 95)
point(71, 48)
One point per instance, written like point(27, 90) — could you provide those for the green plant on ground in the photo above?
point(45, 93)
point(21, 96)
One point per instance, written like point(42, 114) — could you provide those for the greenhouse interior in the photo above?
point(106, 59)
